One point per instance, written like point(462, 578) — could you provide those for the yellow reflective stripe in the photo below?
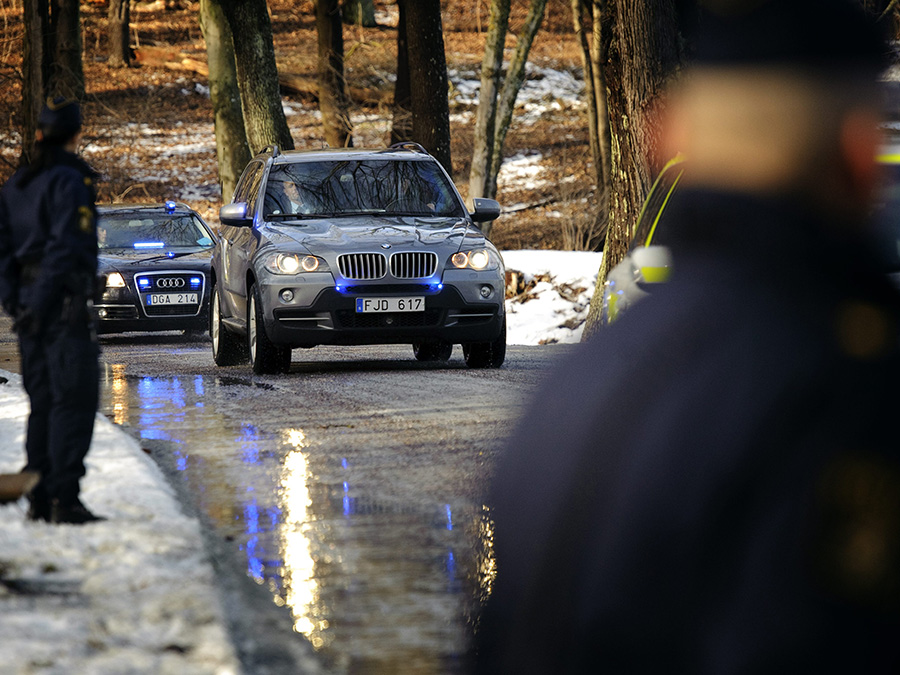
point(889, 158)
point(662, 208)
point(677, 159)
point(655, 275)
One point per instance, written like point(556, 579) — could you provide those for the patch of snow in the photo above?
point(520, 172)
point(559, 286)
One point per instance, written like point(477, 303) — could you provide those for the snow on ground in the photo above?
point(133, 594)
point(551, 300)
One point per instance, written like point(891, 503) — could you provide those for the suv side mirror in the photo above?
point(485, 210)
point(235, 215)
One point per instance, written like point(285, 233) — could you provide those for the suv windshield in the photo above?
point(336, 188)
point(142, 231)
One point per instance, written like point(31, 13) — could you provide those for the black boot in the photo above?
point(73, 513)
point(39, 507)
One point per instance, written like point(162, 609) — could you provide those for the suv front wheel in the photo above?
point(227, 348)
point(265, 357)
point(487, 354)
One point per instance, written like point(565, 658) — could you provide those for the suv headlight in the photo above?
point(292, 263)
point(476, 259)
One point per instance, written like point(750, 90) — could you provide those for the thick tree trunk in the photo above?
point(119, 49)
point(257, 73)
point(333, 102)
point(232, 151)
point(644, 52)
point(401, 125)
point(32, 72)
point(66, 69)
point(486, 116)
point(359, 12)
point(428, 78)
point(507, 101)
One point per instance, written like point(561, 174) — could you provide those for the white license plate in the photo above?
point(172, 299)
point(368, 305)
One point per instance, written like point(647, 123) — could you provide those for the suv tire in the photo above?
point(265, 357)
point(432, 351)
point(228, 348)
point(487, 354)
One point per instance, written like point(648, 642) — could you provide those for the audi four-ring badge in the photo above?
point(154, 268)
point(354, 247)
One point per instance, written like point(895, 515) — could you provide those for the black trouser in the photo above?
point(61, 376)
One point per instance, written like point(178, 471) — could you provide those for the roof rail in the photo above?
point(408, 145)
point(270, 148)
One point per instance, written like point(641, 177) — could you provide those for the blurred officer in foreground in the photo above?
point(48, 262)
point(713, 484)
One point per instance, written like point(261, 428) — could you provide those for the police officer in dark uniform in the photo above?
point(712, 485)
point(48, 263)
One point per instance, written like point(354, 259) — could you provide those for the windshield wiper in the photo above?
point(166, 256)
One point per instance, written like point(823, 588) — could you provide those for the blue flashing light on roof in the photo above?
point(170, 206)
point(148, 244)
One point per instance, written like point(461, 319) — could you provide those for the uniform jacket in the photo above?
point(712, 485)
point(48, 233)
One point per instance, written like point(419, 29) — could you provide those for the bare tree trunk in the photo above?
point(586, 16)
point(643, 54)
point(32, 72)
point(359, 12)
point(401, 125)
point(428, 78)
point(333, 102)
point(511, 86)
point(119, 17)
point(66, 70)
point(254, 55)
point(486, 116)
point(232, 151)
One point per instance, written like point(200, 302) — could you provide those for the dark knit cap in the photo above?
point(811, 34)
point(60, 119)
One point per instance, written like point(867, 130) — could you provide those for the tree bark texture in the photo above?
point(257, 74)
point(32, 71)
point(66, 71)
point(486, 115)
point(333, 102)
point(428, 79)
point(511, 86)
point(644, 52)
point(359, 12)
point(119, 48)
point(232, 151)
point(401, 124)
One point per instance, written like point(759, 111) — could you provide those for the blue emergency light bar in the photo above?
point(149, 244)
point(171, 206)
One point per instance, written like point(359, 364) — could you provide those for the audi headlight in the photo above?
point(291, 263)
point(115, 280)
point(477, 259)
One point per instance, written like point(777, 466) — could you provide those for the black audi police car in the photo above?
point(153, 268)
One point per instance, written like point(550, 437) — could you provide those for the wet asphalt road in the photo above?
point(351, 490)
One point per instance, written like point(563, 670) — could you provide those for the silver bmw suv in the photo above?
point(354, 247)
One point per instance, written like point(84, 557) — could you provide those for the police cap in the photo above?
point(809, 34)
point(60, 119)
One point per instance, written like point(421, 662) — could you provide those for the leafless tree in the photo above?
point(333, 101)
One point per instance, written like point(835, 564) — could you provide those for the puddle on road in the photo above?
point(376, 584)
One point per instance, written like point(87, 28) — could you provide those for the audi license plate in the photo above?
point(172, 299)
point(367, 305)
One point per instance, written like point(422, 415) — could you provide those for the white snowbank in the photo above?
point(554, 305)
point(135, 593)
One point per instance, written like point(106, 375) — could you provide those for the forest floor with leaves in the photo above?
point(149, 127)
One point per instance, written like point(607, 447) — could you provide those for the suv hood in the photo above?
point(367, 233)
